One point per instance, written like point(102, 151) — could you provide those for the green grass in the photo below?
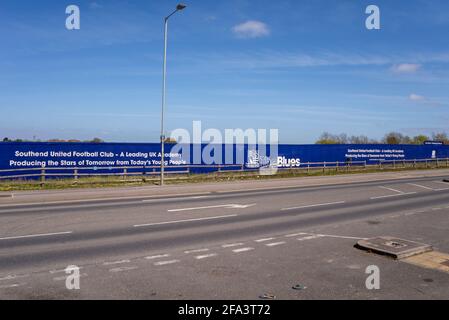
point(119, 181)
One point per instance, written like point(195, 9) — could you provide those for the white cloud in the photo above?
point(95, 5)
point(251, 29)
point(406, 68)
point(424, 100)
point(417, 98)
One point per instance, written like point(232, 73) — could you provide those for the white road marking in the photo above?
point(123, 269)
point(391, 189)
point(180, 221)
point(37, 235)
point(163, 263)
point(392, 195)
point(227, 206)
point(151, 198)
point(196, 251)
point(420, 186)
point(116, 262)
point(178, 198)
point(273, 244)
point(60, 270)
point(441, 189)
point(295, 234)
point(308, 238)
point(242, 250)
point(231, 245)
point(314, 205)
point(340, 237)
point(14, 276)
point(8, 286)
point(157, 256)
point(264, 240)
point(206, 256)
point(63, 278)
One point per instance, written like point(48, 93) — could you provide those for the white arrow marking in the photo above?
point(227, 206)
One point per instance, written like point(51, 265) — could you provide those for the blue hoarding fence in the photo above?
point(49, 160)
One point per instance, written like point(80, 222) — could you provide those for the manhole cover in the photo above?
point(393, 247)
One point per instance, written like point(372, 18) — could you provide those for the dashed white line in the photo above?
point(116, 262)
point(60, 270)
point(242, 250)
point(8, 286)
point(391, 189)
point(308, 238)
point(313, 205)
point(157, 256)
point(339, 237)
point(37, 235)
point(273, 244)
point(163, 263)
point(206, 256)
point(14, 276)
point(123, 269)
point(420, 186)
point(62, 278)
point(295, 234)
point(180, 221)
point(231, 245)
point(393, 195)
point(196, 251)
point(180, 198)
point(264, 240)
point(227, 206)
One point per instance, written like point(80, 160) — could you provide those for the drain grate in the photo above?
point(393, 247)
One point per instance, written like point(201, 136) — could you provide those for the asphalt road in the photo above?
point(226, 245)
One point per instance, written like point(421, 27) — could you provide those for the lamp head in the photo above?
point(180, 7)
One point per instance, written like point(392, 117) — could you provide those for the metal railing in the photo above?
point(144, 172)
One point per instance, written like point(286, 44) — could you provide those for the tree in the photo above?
point(96, 140)
point(440, 136)
point(396, 138)
point(327, 138)
point(359, 139)
point(5, 139)
point(420, 139)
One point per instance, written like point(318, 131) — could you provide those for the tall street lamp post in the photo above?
point(179, 7)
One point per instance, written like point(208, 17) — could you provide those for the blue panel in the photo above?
point(102, 157)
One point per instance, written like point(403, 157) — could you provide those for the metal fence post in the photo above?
point(43, 175)
point(75, 174)
point(125, 172)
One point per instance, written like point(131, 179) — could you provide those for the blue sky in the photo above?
point(303, 67)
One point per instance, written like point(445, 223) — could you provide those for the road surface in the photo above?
point(229, 244)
